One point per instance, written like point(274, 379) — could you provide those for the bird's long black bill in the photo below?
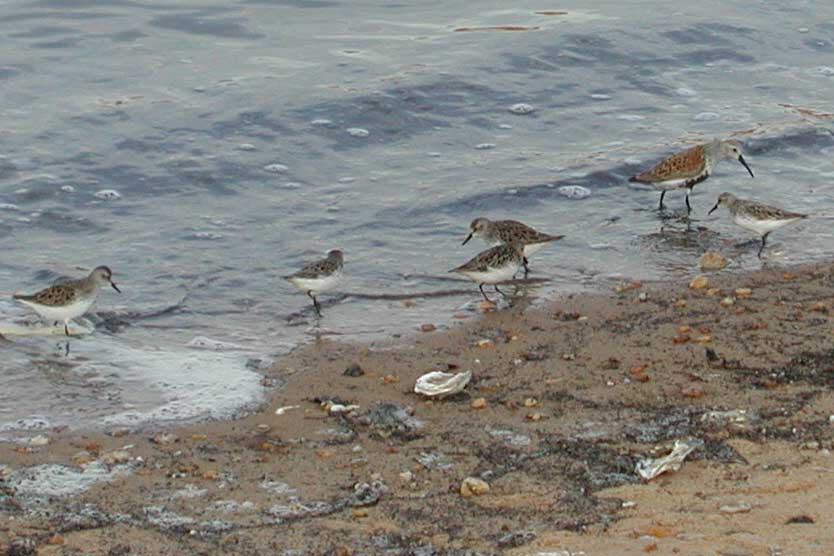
point(115, 287)
point(713, 208)
point(467, 239)
point(744, 163)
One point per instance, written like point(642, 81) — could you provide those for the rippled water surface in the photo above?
point(204, 149)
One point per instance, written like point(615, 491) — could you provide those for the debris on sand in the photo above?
point(648, 469)
point(472, 486)
point(437, 384)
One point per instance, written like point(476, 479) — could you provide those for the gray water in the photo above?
point(224, 129)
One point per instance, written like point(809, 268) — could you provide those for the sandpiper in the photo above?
point(319, 276)
point(690, 167)
point(69, 299)
point(510, 232)
point(756, 217)
point(493, 266)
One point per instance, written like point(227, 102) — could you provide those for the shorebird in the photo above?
point(493, 266)
point(690, 167)
point(510, 232)
point(69, 299)
point(756, 217)
point(319, 276)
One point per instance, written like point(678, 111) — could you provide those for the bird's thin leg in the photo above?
point(662, 194)
point(525, 262)
point(481, 287)
point(499, 291)
point(66, 328)
point(688, 206)
point(764, 241)
point(66, 351)
point(316, 305)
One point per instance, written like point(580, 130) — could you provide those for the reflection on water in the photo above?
point(203, 149)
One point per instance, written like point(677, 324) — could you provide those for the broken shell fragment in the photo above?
point(438, 384)
point(648, 469)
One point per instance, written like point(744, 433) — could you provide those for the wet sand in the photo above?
point(564, 401)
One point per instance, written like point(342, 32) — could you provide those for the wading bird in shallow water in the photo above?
point(687, 168)
point(510, 232)
point(319, 276)
point(69, 299)
point(493, 266)
point(756, 217)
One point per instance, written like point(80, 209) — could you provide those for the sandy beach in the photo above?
point(563, 403)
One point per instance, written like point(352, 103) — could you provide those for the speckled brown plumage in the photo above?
point(688, 164)
point(53, 296)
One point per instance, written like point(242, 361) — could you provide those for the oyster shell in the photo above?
point(437, 384)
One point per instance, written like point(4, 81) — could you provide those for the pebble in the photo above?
point(693, 392)
point(472, 486)
point(358, 132)
point(699, 282)
point(531, 402)
point(354, 371)
point(727, 302)
point(743, 292)
point(740, 508)
point(82, 457)
point(39, 440)
point(164, 438)
point(108, 194)
point(522, 108)
point(428, 327)
point(115, 457)
point(712, 260)
point(406, 476)
point(478, 403)
point(574, 191)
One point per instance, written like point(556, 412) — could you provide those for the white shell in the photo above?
point(437, 384)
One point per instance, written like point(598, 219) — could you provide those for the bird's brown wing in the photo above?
point(682, 165)
point(53, 296)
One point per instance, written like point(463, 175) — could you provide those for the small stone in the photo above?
point(39, 440)
point(712, 292)
point(699, 282)
point(360, 513)
point(478, 403)
point(484, 343)
point(428, 327)
point(727, 302)
point(819, 306)
point(115, 457)
point(22, 546)
point(743, 292)
point(680, 304)
point(82, 457)
point(740, 508)
point(531, 402)
point(390, 379)
point(522, 109)
point(354, 371)
point(535, 416)
point(55, 539)
point(472, 486)
point(693, 392)
point(263, 428)
point(642, 297)
point(568, 356)
point(712, 260)
point(164, 439)
point(629, 286)
point(406, 476)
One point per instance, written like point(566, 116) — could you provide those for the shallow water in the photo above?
point(204, 149)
